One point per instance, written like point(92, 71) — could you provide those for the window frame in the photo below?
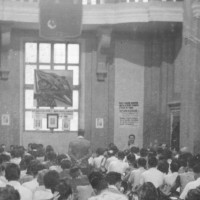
point(52, 64)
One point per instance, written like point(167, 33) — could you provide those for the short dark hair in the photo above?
point(66, 164)
point(12, 172)
point(97, 181)
point(152, 161)
point(163, 166)
point(147, 192)
point(113, 177)
point(64, 189)
point(9, 193)
point(175, 165)
point(141, 162)
point(81, 132)
point(196, 168)
point(193, 194)
point(51, 179)
point(131, 135)
point(121, 155)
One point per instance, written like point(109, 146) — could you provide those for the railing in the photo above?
point(95, 2)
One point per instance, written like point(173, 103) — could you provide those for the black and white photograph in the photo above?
point(100, 99)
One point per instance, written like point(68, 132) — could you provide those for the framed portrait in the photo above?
point(52, 121)
point(37, 123)
point(99, 123)
point(66, 124)
point(5, 120)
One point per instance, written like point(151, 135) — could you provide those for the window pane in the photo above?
point(29, 121)
point(45, 67)
point(75, 74)
point(29, 74)
point(73, 53)
point(75, 100)
point(31, 52)
point(74, 122)
point(59, 67)
point(59, 53)
point(29, 101)
point(44, 53)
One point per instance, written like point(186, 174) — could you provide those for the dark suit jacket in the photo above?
point(79, 149)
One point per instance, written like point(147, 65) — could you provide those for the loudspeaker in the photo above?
point(60, 19)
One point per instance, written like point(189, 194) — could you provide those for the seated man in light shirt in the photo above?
point(192, 184)
point(118, 165)
point(152, 175)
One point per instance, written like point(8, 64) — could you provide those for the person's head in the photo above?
point(114, 178)
point(97, 181)
point(143, 152)
point(64, 189)
point(75, 172)
point(152, 161)
point(135, 150)
point(174, 165)
point(65, 164)
point(141, 162)
point(131, 139)
point(12, 172)
point(60, 157)
point(81, 132)
point(100, 151)
point(25, 162)
point(121, 155)
point(131, 159)
point(193, 194)
point(9, 193)
point(51, 179)
point(147, 192)
point(49, 148)
point(196, 170)
point(34, 167)
point(163, 166)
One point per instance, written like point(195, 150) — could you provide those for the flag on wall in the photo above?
point(53, 88)
point(60, 19)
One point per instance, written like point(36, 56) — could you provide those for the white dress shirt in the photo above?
point(135, 177)
point(24, 192)
point(118, 166)
point(154, 176)
point(31, 185)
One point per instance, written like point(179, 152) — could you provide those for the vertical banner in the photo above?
point(60, 19)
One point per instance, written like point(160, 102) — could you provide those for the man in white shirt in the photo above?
point(192, 184)
point(12, 174)
point(152, 175)
point(118, 165)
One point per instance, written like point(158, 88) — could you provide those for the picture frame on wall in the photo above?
point(5, 120)
point(52, 121)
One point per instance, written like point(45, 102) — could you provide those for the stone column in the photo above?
point(190, 93)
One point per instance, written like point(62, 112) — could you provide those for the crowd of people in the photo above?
point(156, 173)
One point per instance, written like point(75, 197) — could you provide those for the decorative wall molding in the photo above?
point(110, 14)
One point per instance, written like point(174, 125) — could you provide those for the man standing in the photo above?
point(80, 151)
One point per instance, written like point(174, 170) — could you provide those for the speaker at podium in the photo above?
point(60, 19)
